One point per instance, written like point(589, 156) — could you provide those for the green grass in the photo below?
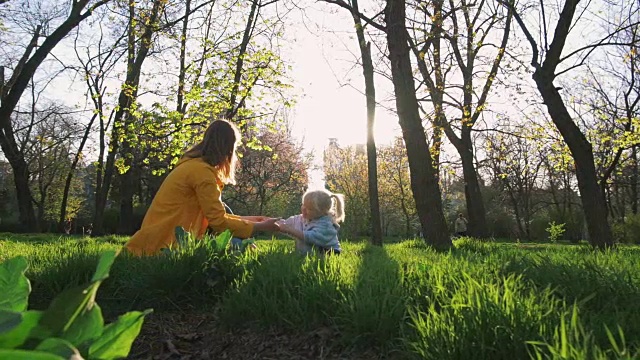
point(478, 301)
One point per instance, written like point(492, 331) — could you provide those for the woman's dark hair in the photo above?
point(218, 149)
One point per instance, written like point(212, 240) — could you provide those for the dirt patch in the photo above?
point(195, 337)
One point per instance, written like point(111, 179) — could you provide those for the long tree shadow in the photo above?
point(606, 290)
point(357, 296)
point(375, 306)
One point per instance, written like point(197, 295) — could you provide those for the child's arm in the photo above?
point(298, 234)
point(292, 227)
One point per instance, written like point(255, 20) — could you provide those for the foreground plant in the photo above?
point(218, 245)
point(220, 256)
point(71, 328)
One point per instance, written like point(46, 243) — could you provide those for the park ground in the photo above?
point(481, 300)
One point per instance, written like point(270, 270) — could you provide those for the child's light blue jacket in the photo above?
point(322, 232)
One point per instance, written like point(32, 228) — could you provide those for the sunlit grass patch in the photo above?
point(480, 300)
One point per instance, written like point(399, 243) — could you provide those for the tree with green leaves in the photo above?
point(272, 176)
point(345, 169)
point(395, 189)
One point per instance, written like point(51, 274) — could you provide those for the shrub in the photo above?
point(555, 231)
point(72, 326)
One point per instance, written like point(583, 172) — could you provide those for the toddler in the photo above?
point(316, 229)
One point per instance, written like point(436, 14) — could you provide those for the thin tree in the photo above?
point(370, 93)
point(424, 181)
point(545, 61)
point(94, 69)
point(11, 92)
point(470, 25)
point(138, 49)
point(424, 177)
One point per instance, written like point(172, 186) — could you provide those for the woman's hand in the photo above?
point(269, 225)
point(255, 219)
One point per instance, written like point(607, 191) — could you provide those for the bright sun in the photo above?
point(332, 104)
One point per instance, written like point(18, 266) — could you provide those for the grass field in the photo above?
point(478, 301)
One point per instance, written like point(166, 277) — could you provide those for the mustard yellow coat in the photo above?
point(188, 197)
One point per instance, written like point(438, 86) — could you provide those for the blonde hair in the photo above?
point(324, 202)
point(218, 149)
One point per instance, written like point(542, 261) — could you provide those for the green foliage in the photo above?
point(71, 327)
point(191, 276)
point(571, 341)
point(14, 285)
point(628, 231)
point(555, 231)
point(346, 173)
point(501, 314)
point(220, 265)
point(217, 246)
point(262, 89)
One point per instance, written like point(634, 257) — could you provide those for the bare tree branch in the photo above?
point(367, 19)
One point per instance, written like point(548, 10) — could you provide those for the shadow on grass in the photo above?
point(356, 296)
point(606, 287)
point(374, 307)
point(282, 289)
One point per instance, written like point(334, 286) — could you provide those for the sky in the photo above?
point(324, 55)
point(325, 71)
point(321, 48)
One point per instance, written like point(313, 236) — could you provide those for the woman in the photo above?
point(461, 225)
point(190, 196)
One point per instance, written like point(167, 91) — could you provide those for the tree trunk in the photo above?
point(634, 181)
point(516, 212)
point(370, 91)
point(124, 118)
point(246, 37)
point(619, 200)
point(27, 215)
point(423, 177)
point(100, 166)
point(593, 201)
point(180, 108)
point(25, 200)
point(127, 189)
point(67, 183)
point(372, 163)
point(98, 216)
point(473, 195)
point(405, 212)
point(126, 151)
point(40, 215)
